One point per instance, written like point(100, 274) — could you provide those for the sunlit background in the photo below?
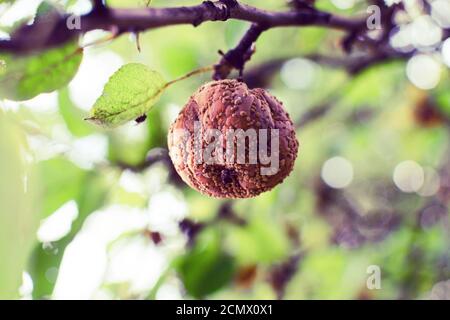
point(80, 219)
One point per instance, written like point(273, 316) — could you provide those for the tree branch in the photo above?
point(29, 38)
point(237, 57)
point(98, 4)
point(261, 75)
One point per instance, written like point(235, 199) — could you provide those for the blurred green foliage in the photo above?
point(372, 123)
point(18, 220)
point(205, 268)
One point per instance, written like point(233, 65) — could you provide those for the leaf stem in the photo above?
point(188, 75)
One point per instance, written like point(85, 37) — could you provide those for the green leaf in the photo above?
point(24, 77)
point(45, 8)
point(18, 221)
point(260, 241)
point(61, 181)
point(206, 268)
point(129, 93)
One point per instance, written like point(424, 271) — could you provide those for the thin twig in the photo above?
point(190, 74)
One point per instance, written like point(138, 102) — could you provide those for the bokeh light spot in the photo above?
point(337, 172)
point(440, 11)
point(299, 73)
point(423, 71)
point(431, 183)
point(343, 4)
point(409, 176)
point(446, 52)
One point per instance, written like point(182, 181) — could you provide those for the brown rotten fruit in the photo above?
point(229, 105)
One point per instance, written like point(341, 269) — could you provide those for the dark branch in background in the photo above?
point(98, 5)
point(53, 32)
point(237, 57)
point(282, 273)
point(225, 213)
point(191, 229)
point(313, 114)
point(29, 38)
point(432, 212)
point(358, 64)
point(262, 74)
point(353, 67)
point(301, 4)
point(352, 226)
point(155, 156)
